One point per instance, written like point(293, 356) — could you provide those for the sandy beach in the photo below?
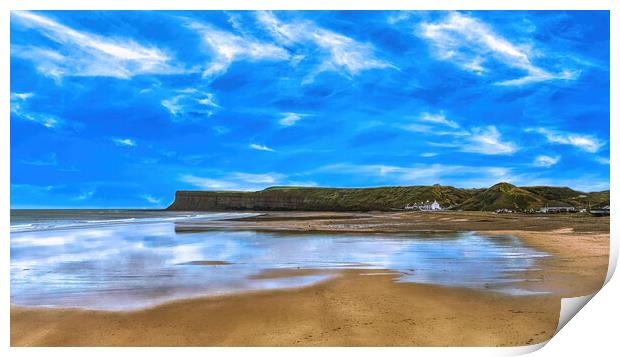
point(355, 307)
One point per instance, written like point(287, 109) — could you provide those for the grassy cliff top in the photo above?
point(498, 196)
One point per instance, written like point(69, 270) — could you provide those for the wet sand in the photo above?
point(350, 310)
point(207, 262)
point(577, 265)
point(355, 308)
point(402, 221)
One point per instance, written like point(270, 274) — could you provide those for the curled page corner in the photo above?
point(570, 307)
point(523, 350)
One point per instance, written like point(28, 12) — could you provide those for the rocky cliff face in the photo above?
point(317, 199)
point(262, 200)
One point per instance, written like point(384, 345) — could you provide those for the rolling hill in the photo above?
point(501, 195)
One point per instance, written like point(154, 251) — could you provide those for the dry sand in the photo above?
point(355, 309)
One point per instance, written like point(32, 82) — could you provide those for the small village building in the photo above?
point(558, 207)
point(424, 206)
point(435, 206)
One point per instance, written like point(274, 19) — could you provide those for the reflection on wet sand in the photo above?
point(130, 266)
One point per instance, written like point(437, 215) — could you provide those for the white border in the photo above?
point(313, 5)
point(596, 322)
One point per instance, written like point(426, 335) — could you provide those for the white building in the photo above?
point(424, 206)
point(558, 209)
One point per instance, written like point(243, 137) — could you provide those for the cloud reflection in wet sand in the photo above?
point(132, 266)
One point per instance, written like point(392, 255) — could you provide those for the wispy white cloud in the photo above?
point(480, 140)
point(47, 120)
point(172, 105)
point(236, 20)
point(433, 130)
point(428, 154)
point(19, 109)
point(470, 43)
point(398, 16)
point(602, 160)
point(340, 53)
point(31, 188)
point(226, 48)
point(17, 100)
point(488, 141)
point(124, 142)
point(241, 181)
point(588, 143)
point(190, 100)
point(346, 53)
point(270, 178)
point(260, 147)
point(459, 175)
point(220, 130)
point(80, 53)
point(152, 199)
point(289, 119)
point(539, 77)
point(86, 195)
point(21, 96)
point(546, 161)
point(464, 176)
point(434, 123)
point(418, 128)
point(206, 183)
point(439, 118)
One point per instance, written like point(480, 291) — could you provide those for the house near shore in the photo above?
point(424, 206)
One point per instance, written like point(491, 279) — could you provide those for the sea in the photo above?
point(133, 259)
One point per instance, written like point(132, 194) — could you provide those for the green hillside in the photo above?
point(503, 195)
point(500, 196)
point(374, 198)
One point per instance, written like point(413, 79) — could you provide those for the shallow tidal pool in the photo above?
point(130, 263)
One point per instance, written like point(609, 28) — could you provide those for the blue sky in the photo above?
point(121, 108)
